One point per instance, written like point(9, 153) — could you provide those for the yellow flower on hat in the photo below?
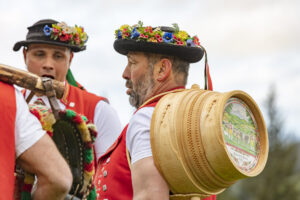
point(125, 26)
point(182, 35)
point(152, 39)
point(84, 36)
point(56, 27)
point(79, 29)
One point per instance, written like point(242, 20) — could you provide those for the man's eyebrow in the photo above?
point(130, 57)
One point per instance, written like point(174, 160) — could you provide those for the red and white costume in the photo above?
point(19, 130)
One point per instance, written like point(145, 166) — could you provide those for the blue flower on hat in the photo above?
point(168, 37)
point(47, 30)
point(190, 43)
point(134, 33)
point(119, 34)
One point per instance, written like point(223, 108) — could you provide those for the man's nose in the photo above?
point(48, 64)
point(126, 74)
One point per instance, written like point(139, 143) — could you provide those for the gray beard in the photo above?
point(143, 88)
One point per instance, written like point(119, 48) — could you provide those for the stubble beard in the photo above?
point(140, 92)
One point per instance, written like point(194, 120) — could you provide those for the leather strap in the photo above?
point(51, 94)
point(30, 97)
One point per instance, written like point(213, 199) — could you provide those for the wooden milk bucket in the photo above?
point(204, 141)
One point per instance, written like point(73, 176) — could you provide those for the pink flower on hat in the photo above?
point(77, 39)
point(55, 31)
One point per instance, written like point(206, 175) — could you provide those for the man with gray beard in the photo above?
point(158, 63)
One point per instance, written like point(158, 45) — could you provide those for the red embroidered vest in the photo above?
point(113, 175)
point(81, 101)
point(7, 141)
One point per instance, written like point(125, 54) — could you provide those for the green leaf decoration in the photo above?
point(84, 118)
point(140, 23)
point(92, 195)
point(176, 27)
point(88, 155)
point(70, 114)
point(25, 196)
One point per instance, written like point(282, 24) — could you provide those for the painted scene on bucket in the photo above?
point(241, 134)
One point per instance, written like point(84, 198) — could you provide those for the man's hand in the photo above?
point(147, 182)
point(53, 173)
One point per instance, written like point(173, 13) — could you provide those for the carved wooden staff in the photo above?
point(28, 80)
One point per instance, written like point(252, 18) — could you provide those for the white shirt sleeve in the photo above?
point(138, 134)
point(28, 129)
point(108, 127)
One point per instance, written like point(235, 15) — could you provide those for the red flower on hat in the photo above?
point(64, 37)
point(196, 40)
point(77, 40)
point(144, 36)
point(179, 42)
point(148, 29)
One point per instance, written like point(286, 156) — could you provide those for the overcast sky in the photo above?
point(251, 44)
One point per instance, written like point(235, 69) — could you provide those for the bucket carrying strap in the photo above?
point(51, 94)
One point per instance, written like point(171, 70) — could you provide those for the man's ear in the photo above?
point(25, 54)
point(164, 69)
point(71, 58)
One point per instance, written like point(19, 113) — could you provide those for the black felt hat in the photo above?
point(36, 35)
point(160, 40)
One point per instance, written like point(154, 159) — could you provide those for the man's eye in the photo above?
point(58, 56)
point(38, 53)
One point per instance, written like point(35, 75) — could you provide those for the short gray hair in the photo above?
point(180, 67)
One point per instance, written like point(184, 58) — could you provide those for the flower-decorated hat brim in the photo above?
point(36, 35)
point(189, 54)
point(26, 43)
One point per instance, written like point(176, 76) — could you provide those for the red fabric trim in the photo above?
point(23, 91)
point(210, 85)
point(7, 141)
point(155, 100)
point(212, 197)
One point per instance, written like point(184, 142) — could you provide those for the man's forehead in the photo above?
point(47, 46)
point(135, 54)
